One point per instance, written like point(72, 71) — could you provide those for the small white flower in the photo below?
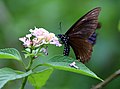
point(35, 42)
point(26, 42)
point(23, 39)
point(28, 35)
point(38, 32)
point(55, 42)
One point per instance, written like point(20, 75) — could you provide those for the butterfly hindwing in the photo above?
point(82, 49)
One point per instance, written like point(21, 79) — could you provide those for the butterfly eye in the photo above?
point(60, 35)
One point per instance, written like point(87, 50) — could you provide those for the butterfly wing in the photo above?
point(82, 49)
point(86, 25)
point(80, 32)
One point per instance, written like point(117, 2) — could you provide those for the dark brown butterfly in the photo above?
point(82, 36)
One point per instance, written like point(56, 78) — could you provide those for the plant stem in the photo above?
point(24, 82)
point(27, 69)
point(107, 80)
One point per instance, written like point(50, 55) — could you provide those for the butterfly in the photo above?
point(82, 36)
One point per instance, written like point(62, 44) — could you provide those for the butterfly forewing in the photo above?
point(86, 25)
point(80, 32)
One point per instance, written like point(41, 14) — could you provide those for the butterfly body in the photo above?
point(65, 39)
point(82, 36)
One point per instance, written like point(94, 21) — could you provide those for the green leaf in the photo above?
point(8, 74)
point(63, 62)
point(10, 53)
point(39, 79)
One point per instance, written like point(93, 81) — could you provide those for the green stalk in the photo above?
point(27, 69)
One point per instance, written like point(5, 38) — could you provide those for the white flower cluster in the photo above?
point(38, 37)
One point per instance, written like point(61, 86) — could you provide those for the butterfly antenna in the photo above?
point(60, 24)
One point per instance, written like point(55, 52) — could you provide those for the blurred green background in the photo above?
point(18, 16)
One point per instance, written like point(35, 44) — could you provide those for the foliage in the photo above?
point(39, 78)
point(8, 74)
point(18, 15)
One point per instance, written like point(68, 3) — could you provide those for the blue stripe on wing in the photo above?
point(92, 38)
